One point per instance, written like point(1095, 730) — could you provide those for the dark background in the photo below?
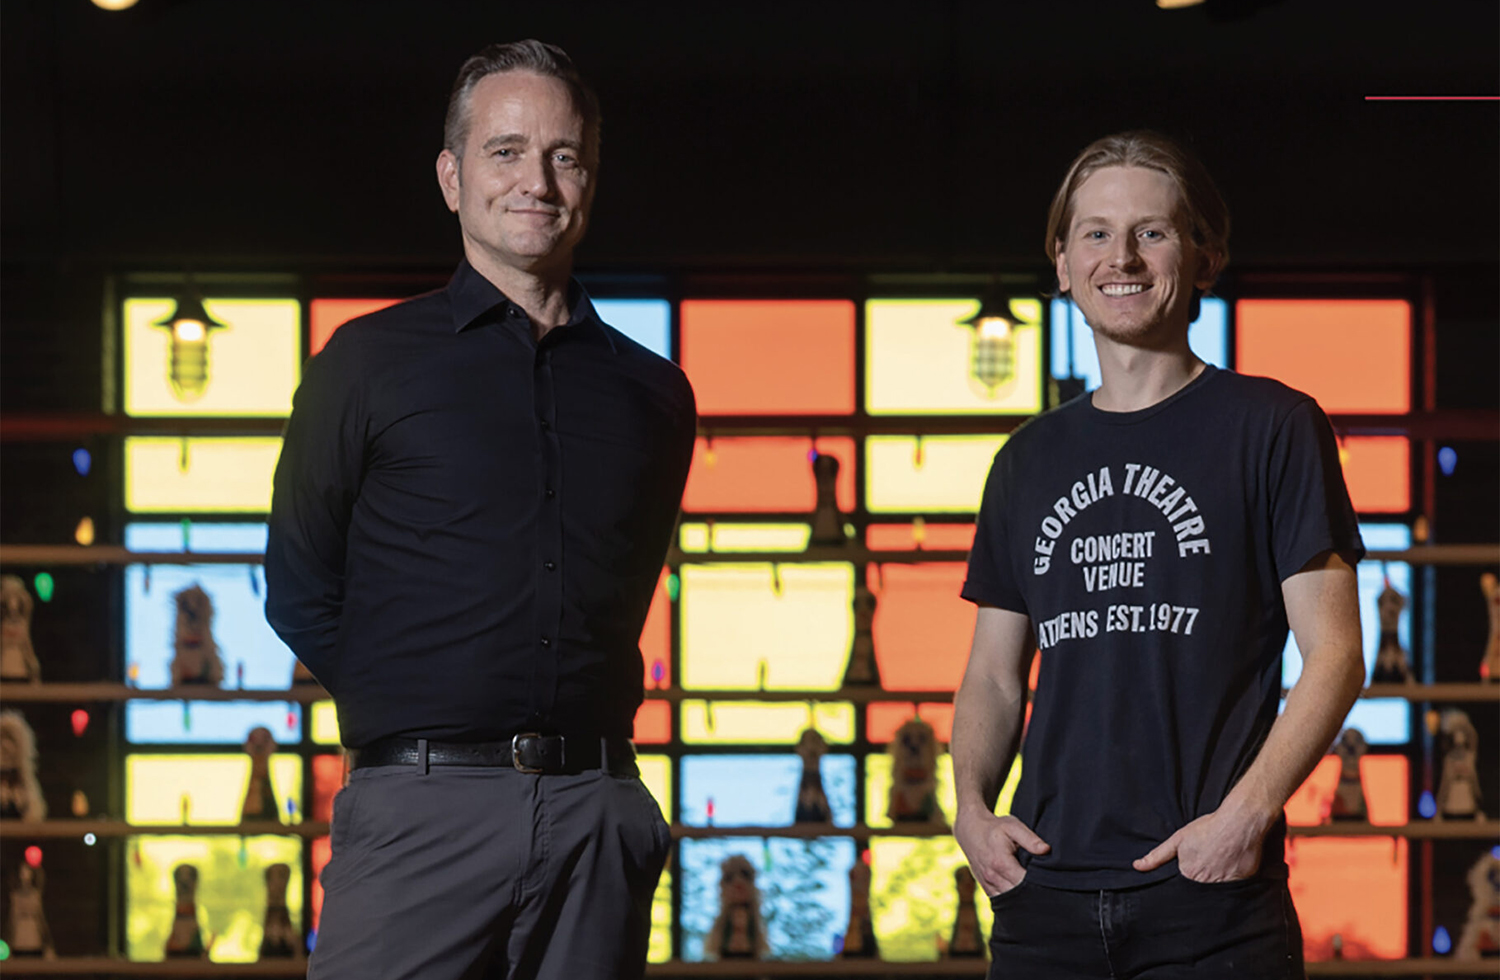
point(806, 139)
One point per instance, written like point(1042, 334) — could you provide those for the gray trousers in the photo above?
point(471, 872)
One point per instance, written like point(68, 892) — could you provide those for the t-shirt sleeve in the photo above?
point(991, 576)
point(1310, 508)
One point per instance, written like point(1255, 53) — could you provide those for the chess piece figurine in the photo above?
point(827, 522)
point(1458, 787)
point(20, 793)
point(812, 802)
point(17, 658)
point(914, 753)
point(859, 936)
point(1489, 669)
point(196, 656)
point(966, 940)
point(26, 924)
point(1349, 798)
point(185, 940)
point(862, 670)
point(260, 799)
point(739, 932)
point(1391, 663)
point(279, 938)
point(1481, 936)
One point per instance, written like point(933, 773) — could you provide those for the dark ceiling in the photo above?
point(922, 136)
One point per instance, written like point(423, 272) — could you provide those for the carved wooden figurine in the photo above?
point(195, 657)
point(812, 802)
point(739, 932)
point(185, 941)
point(862, 670)
point(260, 799)
point(914, 752)
point(967, 940)
point(1490, 668)
point(1391, 663)
point(1349, 798)
point(859, 936)
point(279, 939)
point(1481, 936)
point(827, 522)
point(26, 924)
point(17, 659)
point(20, 793)
point(1458, 788)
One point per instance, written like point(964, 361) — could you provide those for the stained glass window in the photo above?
point(928, 474)
point(913, 898)
point(1377, 470)
point(327, 315)
point(921, 360)
point(1353, 356)
point(648, 322)
point(882, 718)
point(770, 357)
point(764, 722)
point(760, 790)
point(919, 536)
point(203, 789)
point(922, 628)
point(200, 474)
point(250, 366)
point(1074, 353)
point(698, 537)
point(760, 475)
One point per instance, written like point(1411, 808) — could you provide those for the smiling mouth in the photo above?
point(1123, 289)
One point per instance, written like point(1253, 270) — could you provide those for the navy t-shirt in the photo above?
point(1148, 549)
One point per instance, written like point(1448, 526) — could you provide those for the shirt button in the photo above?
point(546, 642)
point(551, 493)
point(545, 425)
point(549, 565)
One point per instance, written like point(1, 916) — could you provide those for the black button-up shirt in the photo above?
point(468, 524)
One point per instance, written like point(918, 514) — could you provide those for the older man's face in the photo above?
point(524, 182)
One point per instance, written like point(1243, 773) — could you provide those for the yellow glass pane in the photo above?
point(928, 474)
point(202, 789)
point(325, 723)
point(764, 722)
point(745, 537)
point(878, 788)
point(656, 773)
point(913, 899)
point(200, 475)
point(231, 891)
point(251, 366)
point(762, 627)
point(918, 360)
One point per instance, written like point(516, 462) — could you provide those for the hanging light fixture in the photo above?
point(189, 326)
point(992, 354)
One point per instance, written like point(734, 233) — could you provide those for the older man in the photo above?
point(472, 508)
point(1154, 539)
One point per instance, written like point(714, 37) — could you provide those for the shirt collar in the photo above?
point(471, 296)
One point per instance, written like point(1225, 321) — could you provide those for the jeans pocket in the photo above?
point(1000, 900)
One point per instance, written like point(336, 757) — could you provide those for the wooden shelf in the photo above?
point(1416, 830)
point(36, 693)
point(65, 829)
point(1429, 967)
point(99, 966)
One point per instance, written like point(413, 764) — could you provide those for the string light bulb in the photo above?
point(188, 327)
point(992, 349)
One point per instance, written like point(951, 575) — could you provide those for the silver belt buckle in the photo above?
point(515, 753)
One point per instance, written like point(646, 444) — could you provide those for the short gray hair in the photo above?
point(530, 55)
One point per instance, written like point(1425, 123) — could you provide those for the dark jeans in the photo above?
point(469, 872)
point(1170, 929)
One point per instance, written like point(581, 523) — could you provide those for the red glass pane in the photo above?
point(884, 717)
point(653, 722)
point(328, 779)
point(1385, 780)
point(1354, 888)
point(327, 315)
point(1353, 356)
point(770, 357)
point(1377, 470)
point(656, 638)
point(322, 850)
point(935, 537)
point(759, 475)
point(922, 630)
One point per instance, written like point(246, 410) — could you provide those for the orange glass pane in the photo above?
point(1385, 779)
point(922, 630)
point(322, 850)
point(884, 717)
point(770, 357)
point(1377, 472)
point(1351, 355)
point(933, 537)
point(327, 315)
point(656, 638)
point(1352, 887)
point(761, 475)
point(328, 779)
point(653, 722)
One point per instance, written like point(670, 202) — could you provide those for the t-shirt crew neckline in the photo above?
point(1142, 414)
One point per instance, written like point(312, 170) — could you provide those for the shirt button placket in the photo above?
point(549, 537)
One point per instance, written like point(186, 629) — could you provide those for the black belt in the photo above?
point(526, 752)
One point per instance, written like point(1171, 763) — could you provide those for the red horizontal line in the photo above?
point(1432, 98)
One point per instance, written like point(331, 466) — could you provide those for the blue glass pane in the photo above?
point(759, 790)
point(804, 892)
point(211, 722)
point(198, 537)
point(1208, 336)
point(1383, 721)
point(648, 322)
